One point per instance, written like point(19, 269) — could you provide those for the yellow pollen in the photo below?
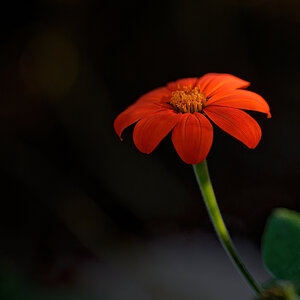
point(188, 100)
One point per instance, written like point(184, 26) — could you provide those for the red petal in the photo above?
point(149, 131)
point(212, 83)
point(240, 99)
point(156, 95)
point(237, 123)
point(134, 113)
point(181, 84)
point(192, 137)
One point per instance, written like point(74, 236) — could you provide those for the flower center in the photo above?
point(188, 100)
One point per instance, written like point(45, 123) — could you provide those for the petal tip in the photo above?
point(195, 162)
point(255, 144)
point(246, 84)
point(117, 130)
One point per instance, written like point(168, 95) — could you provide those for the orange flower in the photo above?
point(185, 107)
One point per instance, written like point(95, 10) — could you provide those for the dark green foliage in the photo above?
point(281, 245)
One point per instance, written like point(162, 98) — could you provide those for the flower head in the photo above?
point(186, 107)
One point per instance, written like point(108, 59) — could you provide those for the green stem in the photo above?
point(206, 188)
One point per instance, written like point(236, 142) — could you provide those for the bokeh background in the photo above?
point(85, 216)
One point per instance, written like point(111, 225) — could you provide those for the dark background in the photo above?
point(71, 192)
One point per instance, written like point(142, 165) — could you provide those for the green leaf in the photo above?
point(281, 245)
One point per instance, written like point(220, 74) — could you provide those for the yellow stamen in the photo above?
point(188, 100)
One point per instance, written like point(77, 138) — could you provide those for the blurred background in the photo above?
point(85, 216)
